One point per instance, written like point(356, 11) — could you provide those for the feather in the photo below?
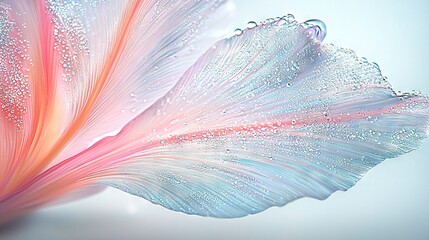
point(261, 119)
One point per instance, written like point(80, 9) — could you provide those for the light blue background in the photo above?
point(390, 202)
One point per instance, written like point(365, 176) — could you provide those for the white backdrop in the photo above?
point(390, 202)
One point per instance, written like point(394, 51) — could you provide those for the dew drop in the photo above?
point(316, 28)
point(290, 17)
point(251, 25)
point(238, 32)
point(228, 151)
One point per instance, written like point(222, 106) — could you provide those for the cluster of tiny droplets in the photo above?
point(286, 19)
point(70, 35)
point(95, 3)
point(14, 59)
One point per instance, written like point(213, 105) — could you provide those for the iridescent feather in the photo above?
point(261, 119)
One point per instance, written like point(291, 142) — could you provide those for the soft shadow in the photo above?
point(66, 225)
point(15, 224)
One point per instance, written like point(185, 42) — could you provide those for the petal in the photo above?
point(15, 92)
point(137, 52)
point(260, 120)
point(97, 65)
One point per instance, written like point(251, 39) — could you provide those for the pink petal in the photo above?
point(95, 66)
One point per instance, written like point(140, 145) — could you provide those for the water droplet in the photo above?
point(290, 18)
point(228, 151)
point(251, 25)
point(269, 20)
point(293, 121)
point(316, 28)
point(238, 32)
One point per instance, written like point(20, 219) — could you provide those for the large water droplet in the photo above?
point(251, 25)
point(316, 28)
